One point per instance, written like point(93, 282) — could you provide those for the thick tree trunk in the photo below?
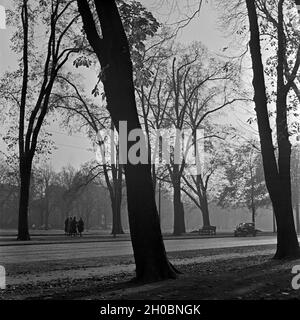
point(115, 193)
point(149, 252)
point(274, 221)
point(116, 218)
point(286, 233)
point(179, 222)
point(277, 179)
point(154, 177)
point(253, 213)
point(25, 173)
point(117, 199)
point(104, 224)
point(297, 218)
point(113, 53)
point(205, 214)
point(203, 204)
point(287, 242)
point(253, 208)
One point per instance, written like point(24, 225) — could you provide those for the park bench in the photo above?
point(208, 230)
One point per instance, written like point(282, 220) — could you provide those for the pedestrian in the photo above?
point(74, 227)
point(66, 225)
point(80, 226)
point(69, 231)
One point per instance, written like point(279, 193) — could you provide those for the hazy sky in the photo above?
point(74, 149)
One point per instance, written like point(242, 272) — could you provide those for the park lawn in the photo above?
point(227, 273)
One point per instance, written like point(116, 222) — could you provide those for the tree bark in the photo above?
point(115, 193)
point(113, 53)
point(288, 244)
point(116, 211)
point(277, 178)
point(54, 61)
point(297, 217)
point(179, 223)
point(253, 213)
point(205, 212)
point(25, 173)
point(117, 180)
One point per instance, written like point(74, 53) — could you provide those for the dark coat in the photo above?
point(66, 224)
point(73, 225)
point(80, 225)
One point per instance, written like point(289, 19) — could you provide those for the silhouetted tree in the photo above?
point(113, 53)
point(277, 172)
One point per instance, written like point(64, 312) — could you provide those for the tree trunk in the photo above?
point(104, 219)
point(205, 215)
point(115, 193)
point(277, 179)
point(179, 223)
point(253, 213)
point(297, 217)
point(117, 186)
point(113, 53)
point(116, 218)
point(25, 173)
point(274, 221)
point(287, 242)
point(253, 209)
point(203, 205)
point(144, 224)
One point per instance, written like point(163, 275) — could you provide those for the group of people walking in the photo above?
point(74, 227)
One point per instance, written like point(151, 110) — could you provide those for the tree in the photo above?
point(79, 108)
point(44, 187)
point(295, 170)
point(112, 50)
point(72, 182)
point(245, 185)
point(9, 192)
point(202, 185)
point(28, 88)
point(86, 202)
point(138, 24)
point(277, 172)
point(153, 96)
point(194, 80)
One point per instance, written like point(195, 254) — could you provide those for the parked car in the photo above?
point(244, 229)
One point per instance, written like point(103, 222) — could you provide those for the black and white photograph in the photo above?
point(149, 157)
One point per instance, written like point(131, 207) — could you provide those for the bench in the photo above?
point(208, 230)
